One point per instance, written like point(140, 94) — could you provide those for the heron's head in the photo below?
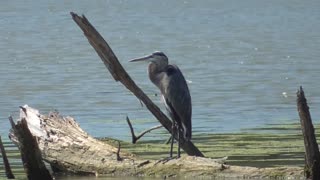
point(157, 57)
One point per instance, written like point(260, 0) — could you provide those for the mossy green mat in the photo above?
point(270, 146)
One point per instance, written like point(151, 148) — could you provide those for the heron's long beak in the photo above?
point(146, 58)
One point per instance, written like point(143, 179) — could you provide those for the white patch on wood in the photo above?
point(32, 117)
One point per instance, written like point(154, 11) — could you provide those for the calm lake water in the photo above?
point(244, 60)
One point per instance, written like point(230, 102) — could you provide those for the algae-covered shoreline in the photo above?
point(273, 145)
point(276, 145)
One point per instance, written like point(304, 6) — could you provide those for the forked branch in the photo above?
point(136, 138)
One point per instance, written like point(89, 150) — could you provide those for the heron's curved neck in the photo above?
point(155, 72)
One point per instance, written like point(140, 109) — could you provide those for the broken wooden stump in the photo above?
point(6, 164)
point(29, 149)
point(312, 154)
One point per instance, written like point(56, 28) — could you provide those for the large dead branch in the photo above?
point(312, 154)
point(68, 148)
point(119, 74)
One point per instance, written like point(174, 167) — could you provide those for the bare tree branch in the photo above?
point(134, 137)
point(149, 130)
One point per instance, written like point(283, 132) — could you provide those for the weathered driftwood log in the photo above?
point(68, 148)
point(6, 164)
point(29, 149)
point(312, 155)
point(119, 74)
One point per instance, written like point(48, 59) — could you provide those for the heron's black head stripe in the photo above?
point(158, 53)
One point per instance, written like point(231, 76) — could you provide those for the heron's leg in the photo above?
point(178, 129)
point(172, 137)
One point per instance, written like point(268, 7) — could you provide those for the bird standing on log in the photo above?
point(175, 93)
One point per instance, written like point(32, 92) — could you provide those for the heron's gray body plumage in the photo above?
point(175, 93)
point(174, 89)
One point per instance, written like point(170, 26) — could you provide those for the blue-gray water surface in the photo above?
point(244, 60)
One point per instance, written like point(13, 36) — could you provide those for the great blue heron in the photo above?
point(175, 93)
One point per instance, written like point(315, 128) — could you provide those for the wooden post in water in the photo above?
point(6, 164)
point(30, 152)
point(312, 155)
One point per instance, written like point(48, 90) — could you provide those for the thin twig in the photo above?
point(149, 130)
point(118, 152)
point(136, 138)
point(132, 131)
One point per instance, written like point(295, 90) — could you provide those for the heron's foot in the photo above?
point(176, 157)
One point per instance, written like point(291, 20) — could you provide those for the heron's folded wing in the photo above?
point(177, 97)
